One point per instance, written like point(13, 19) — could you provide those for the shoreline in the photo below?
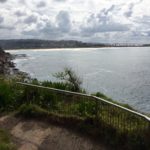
point(7, 66)
point(58, 48)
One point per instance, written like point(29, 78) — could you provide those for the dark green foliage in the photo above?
point(70, 78)
point(4, 136)
point(31, 110)
point(103, 96)
point(8, 95)
point(57, 85)
point(40, 103)
point(86, 108)
point(5, 143)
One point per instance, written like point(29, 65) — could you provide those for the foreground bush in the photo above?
point(8, 96)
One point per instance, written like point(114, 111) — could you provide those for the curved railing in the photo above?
point(82, 105)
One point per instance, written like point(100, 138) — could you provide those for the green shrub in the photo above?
point(5, 143)
point(5, 146)
point(31, 110)
point(4, 136)
point(70, 78)
point(86, 108)
point(8, 96)
point(103, 96)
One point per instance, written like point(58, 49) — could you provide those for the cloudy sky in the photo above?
point(105, 21)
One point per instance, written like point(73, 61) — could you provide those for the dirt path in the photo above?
point(35, 135)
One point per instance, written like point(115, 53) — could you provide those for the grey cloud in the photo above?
point(148, 33)
point(1, 19)
point(137, 34)
point(106, 11)
point(63, 21)
point(102, 23)
point(49, 28)
point(32, 32)
point(96, 23)
point(128, 13)
point(41, 4)
point(104, 15)
point(22, 2)
point(59, 0)
point(20, 13)
point(57, 29)
point(144, 20)
point(130, 10)
point(106, 23)
point(3, 1)
point(49, 31)
point(101, 28)
point(61, 27)
point(6, 27)
point(143, 26)
point(31, 19)
point(113, 27)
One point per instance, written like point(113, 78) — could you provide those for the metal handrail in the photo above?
point(89, 96)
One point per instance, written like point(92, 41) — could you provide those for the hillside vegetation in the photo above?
point(80, 114)
point(39, 44)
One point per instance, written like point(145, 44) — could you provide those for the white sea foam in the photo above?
point(54, 49)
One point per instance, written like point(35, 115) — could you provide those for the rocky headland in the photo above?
point(7, 67)
point(6, 64)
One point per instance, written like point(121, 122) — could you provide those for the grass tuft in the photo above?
point(32, 110)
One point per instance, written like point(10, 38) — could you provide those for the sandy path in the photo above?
point(35, 135)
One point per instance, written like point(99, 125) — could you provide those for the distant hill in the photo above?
point(146, 45)
point(37, 44)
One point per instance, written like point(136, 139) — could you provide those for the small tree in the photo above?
point(70, 77)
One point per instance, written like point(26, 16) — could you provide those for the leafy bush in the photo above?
point(8, 96)
point(70, 78)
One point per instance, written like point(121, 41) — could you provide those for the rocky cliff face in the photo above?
point(6, 66)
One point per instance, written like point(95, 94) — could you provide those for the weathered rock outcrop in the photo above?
point(6, 65)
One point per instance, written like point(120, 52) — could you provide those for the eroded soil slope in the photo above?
point(36, 135)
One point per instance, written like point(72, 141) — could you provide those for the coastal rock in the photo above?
point(7, 67)
point(5, 62)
